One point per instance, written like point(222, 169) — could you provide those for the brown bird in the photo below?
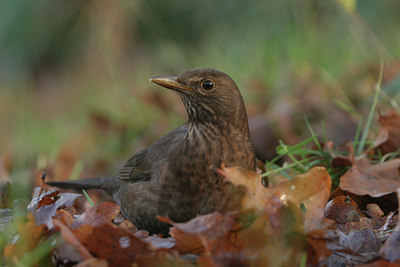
point(176, 176)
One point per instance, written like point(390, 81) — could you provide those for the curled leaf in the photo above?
point(45, 206)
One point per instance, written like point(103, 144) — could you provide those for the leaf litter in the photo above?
point(303, 219)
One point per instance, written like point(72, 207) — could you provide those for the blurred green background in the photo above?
point(74, 92)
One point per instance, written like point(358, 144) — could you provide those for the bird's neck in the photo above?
point(227, 145)
point(205, 120)
point(221, 129)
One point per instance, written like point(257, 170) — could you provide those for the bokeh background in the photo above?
point(75, 96)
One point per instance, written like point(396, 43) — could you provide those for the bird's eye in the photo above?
point(207, 84)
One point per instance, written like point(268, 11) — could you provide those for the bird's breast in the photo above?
point(203, 149)
point(190, 184)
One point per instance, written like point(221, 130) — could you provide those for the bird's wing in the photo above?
point(137, 168)
point(149, 162)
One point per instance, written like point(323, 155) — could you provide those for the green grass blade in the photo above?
point(292, 149)
point(357, 136)
point(285, 167)
point(372, 111)
point(312, 133)
point(87, 197)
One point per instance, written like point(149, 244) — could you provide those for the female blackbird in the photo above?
point(176, 176)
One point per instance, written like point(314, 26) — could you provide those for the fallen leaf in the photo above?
point(273, 238)
point(105, 212)
point(317, 240)
point(256, 193)
point(224, 259)
point(343, 209)
point(119, 247)
point(391, 248)
point(374, 180)
point(388, 139)
point(128, 225)
point(161, 258)
point(310, 191)
point(70, 237)
point(65, 254)
point(186, 242)
point(212, 230)
point(374, 210)
point(44, 213)
point(357, 247)
point(48, 199)
point(363, 223)
point(380, 263)
point(160, 243)
point(92, 262)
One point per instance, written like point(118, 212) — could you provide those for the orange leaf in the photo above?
point(310, 189)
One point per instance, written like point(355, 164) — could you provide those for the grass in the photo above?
point(87, 197)
point(303, 158)
point(371, 113)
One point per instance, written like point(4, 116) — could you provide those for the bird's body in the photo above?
point(176, 176)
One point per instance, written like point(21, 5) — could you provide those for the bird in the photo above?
point(177, 176)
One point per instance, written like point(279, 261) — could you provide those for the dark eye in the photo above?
point(207, 84)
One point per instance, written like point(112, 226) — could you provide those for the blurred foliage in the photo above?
point(74, 74)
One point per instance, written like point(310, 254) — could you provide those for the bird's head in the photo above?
point(210, 97)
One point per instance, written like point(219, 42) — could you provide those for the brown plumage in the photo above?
point(176, 176)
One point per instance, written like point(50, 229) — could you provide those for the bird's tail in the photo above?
point(89, 183)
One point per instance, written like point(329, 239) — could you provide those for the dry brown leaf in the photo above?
point(362, 224)
point(343, 209)
point(380, 263)
point(158, 242)
point(48, 199)
point(280, 242)
point(317, 240)
point(161, 258)
point(49, 205)
point(391, 248)
point(102, 213)
point(128, 225)
point(356, 247)
point(310, 189)
point(256, 194)
point(374, 210)
point(92, 262)
point(224, 259)
point(114, 244)
point(388, 139)
point(185, 242)
point(65, 254)
point(65, 217)
point(70, 237)
point(374, 180)
point(276, 237)
point(211, 231)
